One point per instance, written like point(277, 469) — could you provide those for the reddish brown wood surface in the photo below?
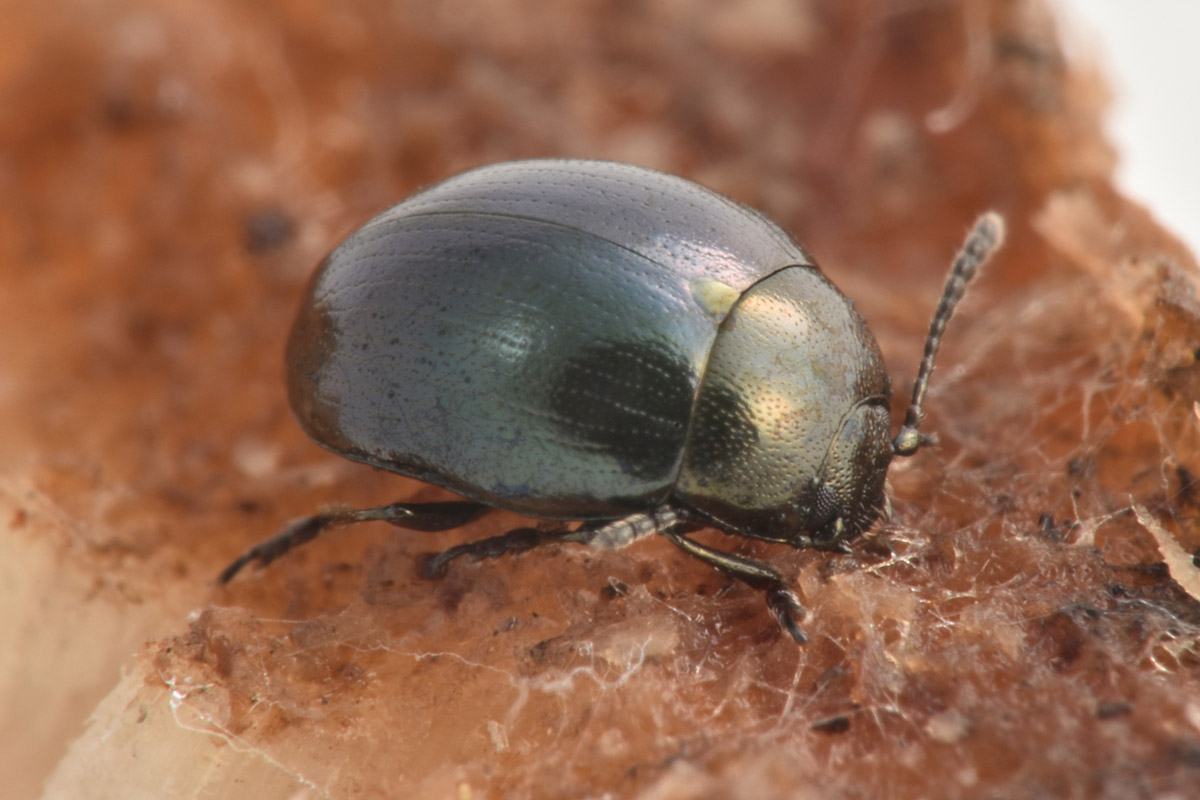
point(169, 175)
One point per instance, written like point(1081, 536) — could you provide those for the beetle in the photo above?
point(600, 342)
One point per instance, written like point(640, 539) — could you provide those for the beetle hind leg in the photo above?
point(413, 516)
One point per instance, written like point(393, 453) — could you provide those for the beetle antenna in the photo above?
point(983, 240)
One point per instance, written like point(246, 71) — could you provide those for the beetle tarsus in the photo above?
point(296, 533)
point(786, 607)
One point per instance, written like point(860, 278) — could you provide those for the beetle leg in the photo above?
point(414, 516)
point(442, 516)
point(782, 601)
point(608, 534)
point(517, 540)
point(618, 533)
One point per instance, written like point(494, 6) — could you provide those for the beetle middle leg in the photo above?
point(413, 516)
point(607, 534)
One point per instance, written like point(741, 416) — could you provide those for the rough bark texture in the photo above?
point(1026, 625)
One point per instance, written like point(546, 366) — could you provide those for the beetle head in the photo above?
point(847, 494)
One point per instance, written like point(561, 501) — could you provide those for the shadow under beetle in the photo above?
point(587, 340)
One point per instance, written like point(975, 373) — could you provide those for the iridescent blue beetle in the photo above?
point(587, 340)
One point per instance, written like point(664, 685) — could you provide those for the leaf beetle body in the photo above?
point(588, 340)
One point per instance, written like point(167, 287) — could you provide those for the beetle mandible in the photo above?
point(594, 341)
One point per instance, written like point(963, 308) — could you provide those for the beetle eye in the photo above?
point(824, 508)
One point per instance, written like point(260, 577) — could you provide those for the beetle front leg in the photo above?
point(781, 601)
point(413, 516)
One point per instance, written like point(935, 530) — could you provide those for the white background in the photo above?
point(1150, 54)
